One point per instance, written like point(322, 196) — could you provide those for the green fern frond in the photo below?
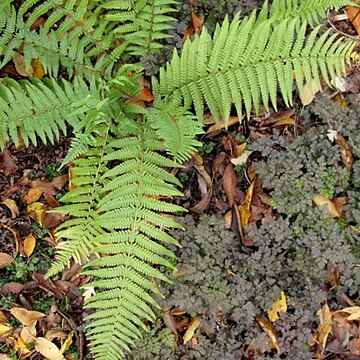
point(81, 36)
point(309, 11)
point(142, 23)
point(247, 63)
point(32, 110)
point(118, 216)
point(176, 126)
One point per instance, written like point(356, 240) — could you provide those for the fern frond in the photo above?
point(246, 63)
point(118, 216)
point(142, 23)
point(309, 11)
point(176, 126)
point(78, 36)
point(32, 110)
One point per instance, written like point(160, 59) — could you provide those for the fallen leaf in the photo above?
point(287, 121)
point(88, 293)
point(51, 220)
point(20, 345)
point(4, 357)
point(48, 349)
point(5, 329)
point(36, 211)
point(345, 152)
point(195, 323)
point(67, 343)
point(309, 92)
point(46, 187)
point(38, 69)
point(325, 326)
point(279, 306)
point(146, 95)
point(321, 202)
point(60, 181)
point(245, 207)
point(353, 13)
point(270, 331)
point(8, 162)
point(26, 317)
point(222, 125)
point(242, 159)
point(354, 312)
point(230, 184)
point(5, 260)
point(12, 206)
point(29, 245)
point(3, 318)
point(55, 334)
point(12, 287)
point(28, 333)
point(20, 65)
point(33, 195)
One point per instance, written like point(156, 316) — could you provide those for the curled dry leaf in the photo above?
point(5, 260)
point(26, 317)
point(29, 245)
point(195, 323)
point(267, 326)
point(48, 349)
point(325, 326)
point(345, 152)
point(12, 206)
point(230, 184)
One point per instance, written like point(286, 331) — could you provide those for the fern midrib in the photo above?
point(136, 216)
point(152, 16)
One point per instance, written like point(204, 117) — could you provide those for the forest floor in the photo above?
point(220, 179)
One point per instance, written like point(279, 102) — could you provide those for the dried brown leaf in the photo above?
point(26, 317)
point(8, 162)
point(5, 260)
point(230, 184)
point(33, 195)
point(48, 349)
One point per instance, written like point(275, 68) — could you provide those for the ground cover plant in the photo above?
point(78, 67)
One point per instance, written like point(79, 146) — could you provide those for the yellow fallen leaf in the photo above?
point(287, 121)
point(279, 306)
point(195, 322)
point(66, 345)
point(48, 349)
point(4, 329)
point(29, 245)
point(26, 317)
point(325, 326)
point(321, 201)
point(20, 345)
point(36, 211)
point(267, 326)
